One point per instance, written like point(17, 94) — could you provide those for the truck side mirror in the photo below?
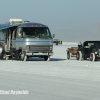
point(53, 35)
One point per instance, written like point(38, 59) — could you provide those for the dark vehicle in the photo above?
point(57, 41)
point(89, 49)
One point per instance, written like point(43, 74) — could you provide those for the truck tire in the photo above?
point(92, 57)
point(46, 58)
point(79, 55)
point(68, 55)
point(1, 52)
point(23, 56)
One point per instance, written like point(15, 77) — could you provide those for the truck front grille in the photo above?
point(39, 48)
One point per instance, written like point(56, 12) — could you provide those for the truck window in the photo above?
point(35, 32)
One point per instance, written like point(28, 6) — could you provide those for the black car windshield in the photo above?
point(35, 32)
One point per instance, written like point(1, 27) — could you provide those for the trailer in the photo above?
point(24, 40)
point(71, 52)
point(89, 49)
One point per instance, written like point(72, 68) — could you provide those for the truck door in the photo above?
point(8, 39)
point(14, 38)
point(19, 38)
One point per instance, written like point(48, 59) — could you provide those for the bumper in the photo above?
point(39, 54)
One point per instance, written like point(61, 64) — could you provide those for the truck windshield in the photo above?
point(35, 32)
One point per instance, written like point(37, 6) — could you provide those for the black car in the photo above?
point(89, 49)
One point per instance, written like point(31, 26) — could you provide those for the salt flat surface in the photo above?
point(57, 66)
point(54, 80)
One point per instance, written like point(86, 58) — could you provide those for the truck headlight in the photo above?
point(50, 48)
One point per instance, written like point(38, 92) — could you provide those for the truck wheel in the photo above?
point(46, 58)
point(23, 57)
point(68, 55)
point(92, 57)
point(1, 52)
point(79, 55)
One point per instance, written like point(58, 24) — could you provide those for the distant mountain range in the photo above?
point(72, 35)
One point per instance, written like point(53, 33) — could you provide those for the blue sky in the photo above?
point(57, 14)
